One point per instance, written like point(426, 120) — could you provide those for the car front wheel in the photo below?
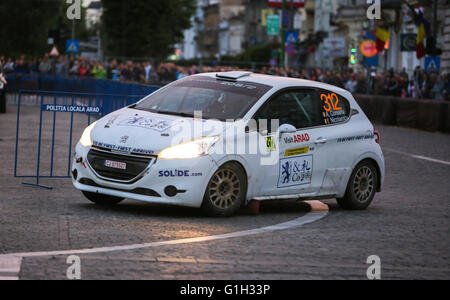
point(226, 191)
point(102, 200)
point(362, 187)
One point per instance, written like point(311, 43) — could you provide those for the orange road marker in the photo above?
point(317, 206)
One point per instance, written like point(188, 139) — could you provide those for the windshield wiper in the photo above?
point(173, 113)
point(163, 112)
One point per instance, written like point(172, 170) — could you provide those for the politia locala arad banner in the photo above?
point(71, 108)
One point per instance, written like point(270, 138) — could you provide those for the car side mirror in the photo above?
point(287, 128)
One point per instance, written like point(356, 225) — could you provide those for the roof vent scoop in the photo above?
point(235, 75)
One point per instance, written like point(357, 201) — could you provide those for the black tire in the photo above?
point(226, 191)
point(102, 200)
point(361, 188)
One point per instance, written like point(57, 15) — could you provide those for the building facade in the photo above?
point(189, 47)
point(445, 41)
point(229, 27)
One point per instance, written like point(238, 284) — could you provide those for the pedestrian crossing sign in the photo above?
point(73, 46)
point(432, 64)
point(291, 37)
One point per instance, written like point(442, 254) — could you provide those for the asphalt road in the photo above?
point(407, 226)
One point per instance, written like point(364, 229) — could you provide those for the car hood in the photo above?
point(137, 131)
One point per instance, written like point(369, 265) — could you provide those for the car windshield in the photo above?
point(216, 99)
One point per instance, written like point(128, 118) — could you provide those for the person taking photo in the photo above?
point(3, 84)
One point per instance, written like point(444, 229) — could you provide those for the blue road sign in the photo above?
point(292, 37)
point(432, 64)
point(73, 46)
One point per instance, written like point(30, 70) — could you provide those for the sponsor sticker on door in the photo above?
point(297, 151)
point(271, 145)
point(295, 171)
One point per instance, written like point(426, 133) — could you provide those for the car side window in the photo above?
point(299, 108)
point(335, 108)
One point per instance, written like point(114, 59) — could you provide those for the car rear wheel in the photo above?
point(362, 187)
point(226, 191)
point(103, 200)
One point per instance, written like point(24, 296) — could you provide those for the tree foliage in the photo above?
point(26, 25)
point(137, 28)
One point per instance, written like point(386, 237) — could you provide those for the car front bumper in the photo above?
point(189, 176)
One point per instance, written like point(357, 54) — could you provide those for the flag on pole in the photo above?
point(382, 38)
point(423, 32)
point(420, 48)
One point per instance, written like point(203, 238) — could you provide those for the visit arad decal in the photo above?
point(296, 139)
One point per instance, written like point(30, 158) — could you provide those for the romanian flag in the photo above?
point(382, 38)
point(423, 31)
point(421, 35)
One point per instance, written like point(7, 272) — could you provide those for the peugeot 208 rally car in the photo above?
point(218, 141)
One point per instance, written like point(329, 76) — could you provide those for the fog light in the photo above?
point(172, 191)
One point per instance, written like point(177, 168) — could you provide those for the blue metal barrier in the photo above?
point(46, 82)
point(95, 105)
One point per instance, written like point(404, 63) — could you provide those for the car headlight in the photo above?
point(192, 149)
point(86, 140)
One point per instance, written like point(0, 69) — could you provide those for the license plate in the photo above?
point(115, 165)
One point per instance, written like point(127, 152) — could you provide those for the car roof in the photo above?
point(276, 82)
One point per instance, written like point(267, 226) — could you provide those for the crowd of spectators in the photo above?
point(420, 85)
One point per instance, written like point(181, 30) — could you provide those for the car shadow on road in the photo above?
point(145, 210)
point(141, 209)
point(284, 207)
point(335, 208)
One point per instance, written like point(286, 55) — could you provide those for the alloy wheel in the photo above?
point(224, 189)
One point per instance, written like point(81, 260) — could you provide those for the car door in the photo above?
point(343, 139)
point(301, 152)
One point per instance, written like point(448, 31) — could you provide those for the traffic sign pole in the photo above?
point(283, 41)
point(73, 29)
point(291, 28)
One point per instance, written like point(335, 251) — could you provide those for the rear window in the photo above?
point(216, 99)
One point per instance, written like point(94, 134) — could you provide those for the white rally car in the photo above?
point(218, 141)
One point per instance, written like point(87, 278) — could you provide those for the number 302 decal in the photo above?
point(331, 102)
